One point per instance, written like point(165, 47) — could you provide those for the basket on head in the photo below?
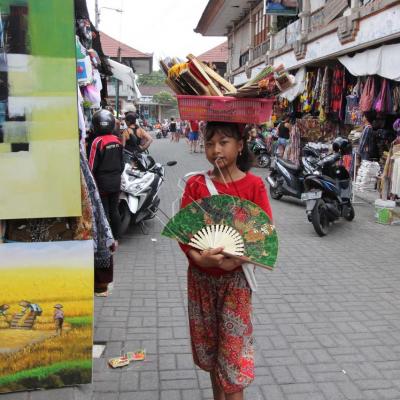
point(225, 109)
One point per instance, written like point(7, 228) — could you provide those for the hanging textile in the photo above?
point(337, 90)
point(368, 95)
point(383, 103)
point(316, 92)
point(324, 100)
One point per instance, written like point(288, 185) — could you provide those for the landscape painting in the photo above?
point(39, 136)
point(46, 315)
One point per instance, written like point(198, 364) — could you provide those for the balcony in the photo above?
point(286, 36)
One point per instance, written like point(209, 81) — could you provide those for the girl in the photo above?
point(135, 138)
point(219, 294)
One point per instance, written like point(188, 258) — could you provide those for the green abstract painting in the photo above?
point(39, 141)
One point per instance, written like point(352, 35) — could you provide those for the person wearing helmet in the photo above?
point(106, 163)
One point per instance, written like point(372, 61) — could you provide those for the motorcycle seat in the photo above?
point(289, 165)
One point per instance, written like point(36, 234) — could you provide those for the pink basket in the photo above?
point(225, 109)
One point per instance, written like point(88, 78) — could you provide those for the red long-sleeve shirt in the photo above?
point(250, 187)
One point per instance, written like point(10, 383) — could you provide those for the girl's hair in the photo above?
point(244, 161)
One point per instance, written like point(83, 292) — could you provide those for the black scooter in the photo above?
point(328, 192)
point(287, 179)
point(260, 151)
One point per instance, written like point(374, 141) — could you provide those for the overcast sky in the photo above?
point(162, 27)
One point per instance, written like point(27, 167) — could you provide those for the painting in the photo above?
point(39, 136)
point(46, 315)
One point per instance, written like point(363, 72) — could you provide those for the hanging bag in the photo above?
point(368, 95)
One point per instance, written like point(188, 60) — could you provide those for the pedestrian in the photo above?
point(135, 138)
point(106, 164)
point(193, 136)
point(283, 135)
point(173, 129)
point(58, 318)
point(219, 295)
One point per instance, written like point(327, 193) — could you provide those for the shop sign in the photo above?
point(288, 8)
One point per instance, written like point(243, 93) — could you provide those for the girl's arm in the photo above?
point(146, 137)
point(261, 198)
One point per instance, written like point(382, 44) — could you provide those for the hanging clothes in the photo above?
point(324, 101)
point(368, 95)
point(337, 90)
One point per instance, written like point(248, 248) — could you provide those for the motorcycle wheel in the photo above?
point(275, 193)
point(263, 161)
point(349, 213)
point(320, 219)
point(125, 214)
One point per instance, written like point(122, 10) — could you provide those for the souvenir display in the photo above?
point(240, 226)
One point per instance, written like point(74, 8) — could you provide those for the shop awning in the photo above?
point(298, 87)
point(383, 61)
point(126, 75)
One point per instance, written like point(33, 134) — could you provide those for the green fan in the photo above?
point(240, 226)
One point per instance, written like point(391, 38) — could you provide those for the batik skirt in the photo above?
point(220, 327)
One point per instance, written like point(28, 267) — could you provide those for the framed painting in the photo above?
point(39, 139)
point(46, 315)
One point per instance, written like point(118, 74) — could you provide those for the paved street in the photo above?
point(327, 320)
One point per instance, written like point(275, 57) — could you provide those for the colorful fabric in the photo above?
point(220, 327)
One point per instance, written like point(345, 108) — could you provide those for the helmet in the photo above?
point(103, 122)
point(341, 145)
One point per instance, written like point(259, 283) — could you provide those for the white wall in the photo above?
point(241, 43)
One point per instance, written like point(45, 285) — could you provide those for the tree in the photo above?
point(165, 98)
point(156, 78)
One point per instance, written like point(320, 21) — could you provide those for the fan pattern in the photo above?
point(248, 219)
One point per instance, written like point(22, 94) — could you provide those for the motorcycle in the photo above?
point(158, 133)
point(287, 179)
point(328, 191)
point(141, 181)
point(259, 149)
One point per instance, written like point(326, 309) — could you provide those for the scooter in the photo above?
point(287, 179)
point(141, 181)
point(328, 192)
point(260, 151)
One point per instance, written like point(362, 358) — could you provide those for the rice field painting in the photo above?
point(46, 315)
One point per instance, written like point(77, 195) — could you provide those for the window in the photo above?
point(244, 58)
point(260, 27)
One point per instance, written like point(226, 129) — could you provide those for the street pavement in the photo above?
point(326, 321)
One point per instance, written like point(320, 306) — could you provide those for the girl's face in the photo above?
point(222, 151)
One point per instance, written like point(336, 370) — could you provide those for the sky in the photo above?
point(162, 27)
point(71, 254)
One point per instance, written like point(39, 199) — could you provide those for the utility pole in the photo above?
point(96, 14)
point(117, 83)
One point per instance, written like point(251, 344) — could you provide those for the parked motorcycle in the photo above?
point(328, 192)
point(261, 153)
point(287, 179)
point(140, 183)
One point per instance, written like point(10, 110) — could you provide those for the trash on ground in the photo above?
point(125, 359)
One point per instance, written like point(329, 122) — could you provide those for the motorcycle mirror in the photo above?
point(171, 163)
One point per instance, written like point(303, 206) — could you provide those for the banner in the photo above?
point(287, 8)
point(39, 140)
point(46, 315)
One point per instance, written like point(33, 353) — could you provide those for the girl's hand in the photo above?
point(208, 258)
point(229, 264)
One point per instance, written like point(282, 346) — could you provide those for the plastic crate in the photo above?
point(225, 109)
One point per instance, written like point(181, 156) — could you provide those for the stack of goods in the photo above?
point(204, 95)
point(367, 176)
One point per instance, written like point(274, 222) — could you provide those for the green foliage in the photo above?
point(41, 373)
point(156, 78)
point(79, 321)
point(165, 98)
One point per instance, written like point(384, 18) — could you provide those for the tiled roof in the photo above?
point(217, 54)
point(110, 48)
point(146, 90)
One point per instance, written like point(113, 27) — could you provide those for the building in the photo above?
point(133, 61)
point(153, 110)
point(323, 30)
point(217, 56)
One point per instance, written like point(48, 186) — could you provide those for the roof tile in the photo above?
point(110, 48)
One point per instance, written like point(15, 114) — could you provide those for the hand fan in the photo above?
point(240, 226)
